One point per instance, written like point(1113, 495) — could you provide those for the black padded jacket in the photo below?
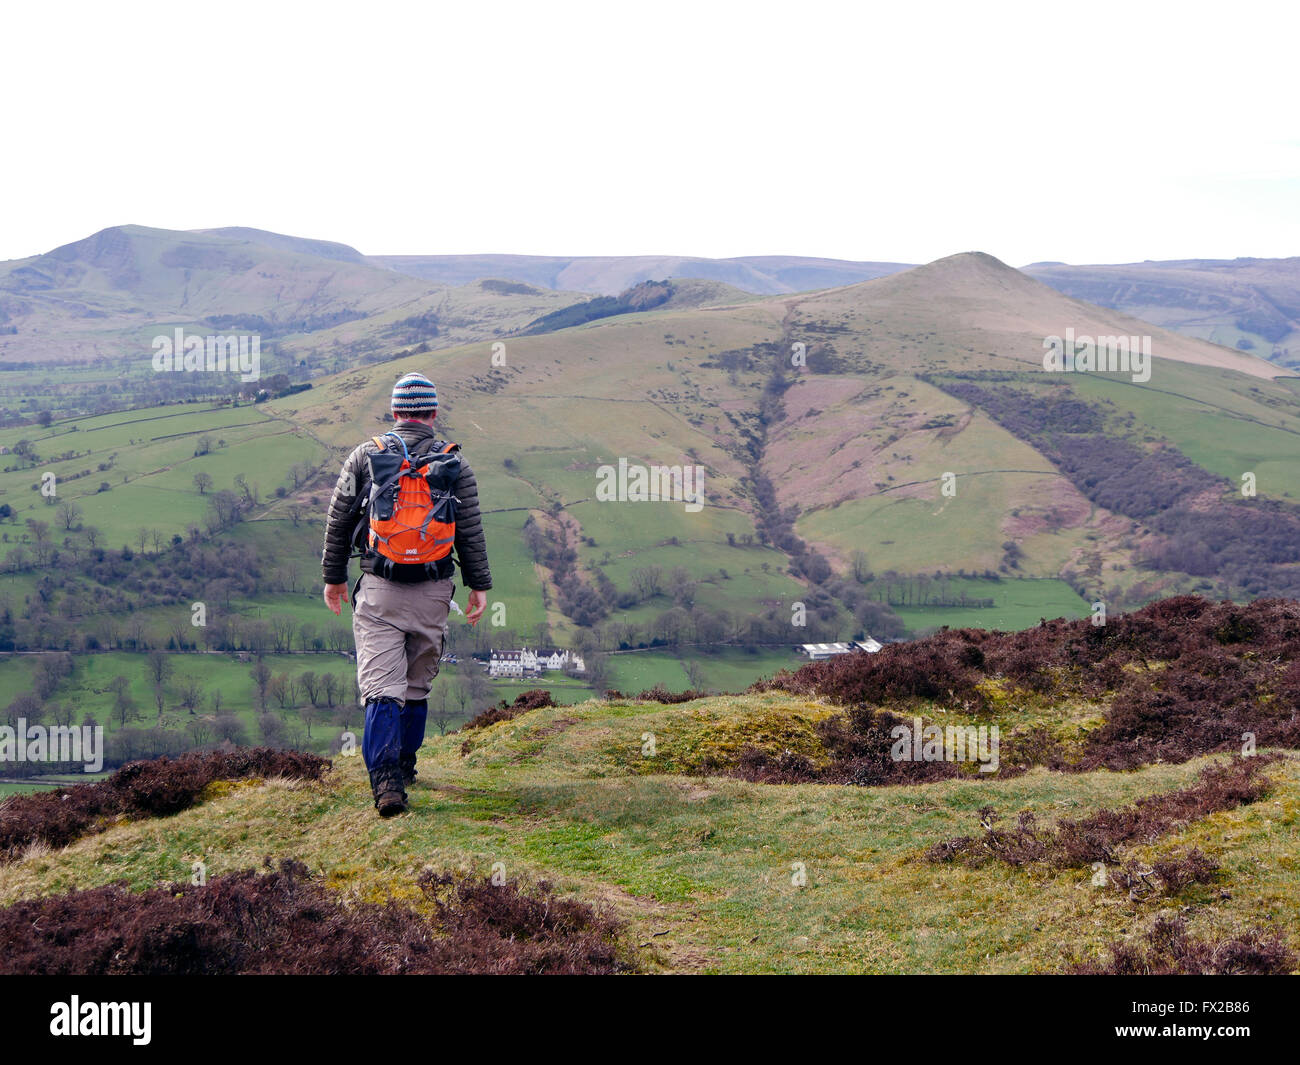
point(353, 484)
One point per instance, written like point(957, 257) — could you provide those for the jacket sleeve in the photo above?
point(342, 516)
point(471, 549)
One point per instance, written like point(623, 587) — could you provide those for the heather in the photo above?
point(1169, 949)
point(1100, 837)
point(154, 788)
point(1179, 678)
point(285, 921)
point(534, 699)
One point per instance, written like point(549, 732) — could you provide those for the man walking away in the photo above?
point(404, 500)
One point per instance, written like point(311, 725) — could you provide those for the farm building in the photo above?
point(816, 652)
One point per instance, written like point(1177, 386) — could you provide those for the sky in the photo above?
point(1098, 132)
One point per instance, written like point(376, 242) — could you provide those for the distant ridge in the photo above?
point(82, 299)
point(324, 249)
point(763, 275)
point(1246, 303)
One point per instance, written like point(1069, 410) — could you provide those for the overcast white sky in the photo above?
point(1097, 132)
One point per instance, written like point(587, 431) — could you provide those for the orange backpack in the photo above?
point(412, 502)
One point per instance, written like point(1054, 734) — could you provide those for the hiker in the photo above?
point(402, 502)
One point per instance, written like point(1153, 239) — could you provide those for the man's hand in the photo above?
point(335, 596)
point(477, 604)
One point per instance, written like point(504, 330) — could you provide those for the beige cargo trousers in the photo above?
point(399, 630)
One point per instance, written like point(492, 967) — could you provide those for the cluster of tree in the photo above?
point(776, 523)
point(1265, 322)
point(72, 394)
point(926, 589)
point(416, 327)
point(130, 391)
point(550, 547)
point(90, 598)
point(642, 297)
point(267, 328)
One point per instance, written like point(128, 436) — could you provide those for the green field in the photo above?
point(1217, 420)
point(150, 465)
point(8, 788)
point(87, 692)
point(633, 672)
point(1018, 604)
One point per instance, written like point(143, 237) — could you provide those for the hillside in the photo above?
point(857, 443)
point(811, 468)
point(325, 249)
point(881, 459)
point(973, 312)
point(92, 298)
point(103, 299)
point(83, 300)
point(1247, 304)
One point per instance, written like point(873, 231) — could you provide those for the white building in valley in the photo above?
point(526, 663)
point(506, 664)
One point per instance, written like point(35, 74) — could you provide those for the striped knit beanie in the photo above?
point(414, 392)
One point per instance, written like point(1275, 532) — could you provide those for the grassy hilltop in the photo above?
point(700, 866)
point(711, 865)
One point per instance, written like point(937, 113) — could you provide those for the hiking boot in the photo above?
point(391, 803)
point(386, 787)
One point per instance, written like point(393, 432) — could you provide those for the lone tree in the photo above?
point(160, 666)
point(190, 692)
point(440, 712)
point(278, 690)
point(310, 714)
point(261, 674)
point(202, 481)
point(310, 685)
point(69, 513)
point(861, 567)
point(695, 675)
point(125, 709)
point(647, 581)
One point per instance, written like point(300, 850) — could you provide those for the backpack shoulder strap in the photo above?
point(378, 441)
point(435, 447)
